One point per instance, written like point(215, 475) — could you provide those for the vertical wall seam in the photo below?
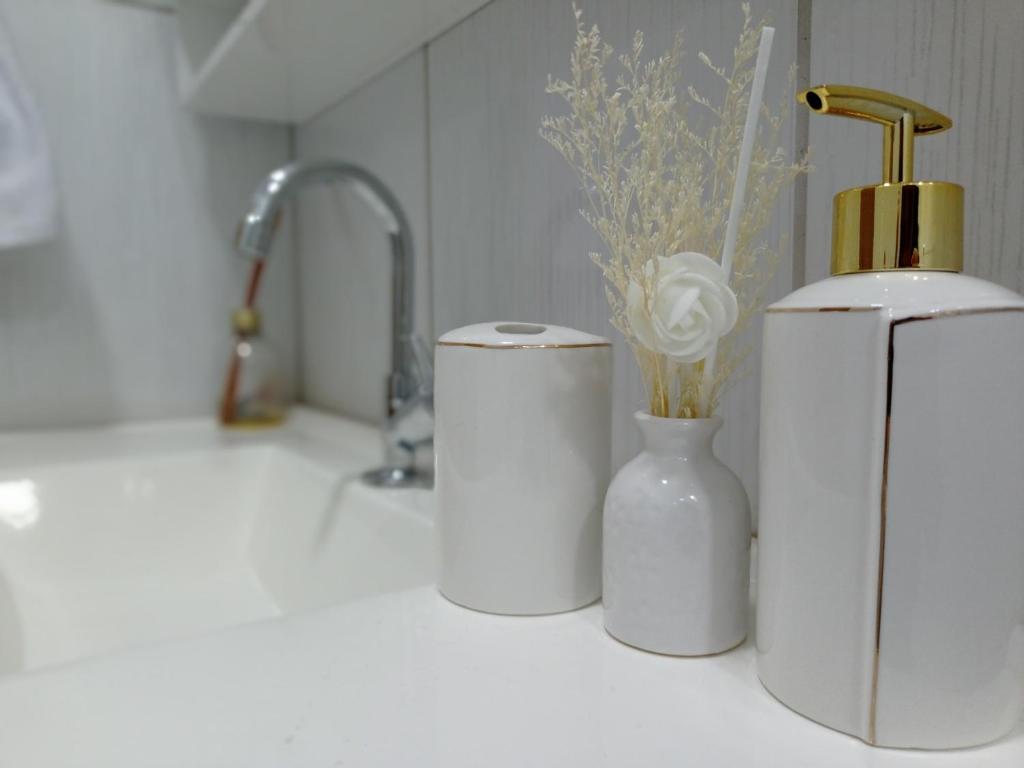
point(295, 243)
point(428, 248)
point(800, 141)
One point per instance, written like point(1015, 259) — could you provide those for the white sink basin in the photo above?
point(173, 531)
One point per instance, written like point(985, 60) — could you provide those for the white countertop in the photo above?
point(408, 679)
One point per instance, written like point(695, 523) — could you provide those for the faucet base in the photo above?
point(398, 477)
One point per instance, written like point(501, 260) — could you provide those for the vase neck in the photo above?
point(683, 438)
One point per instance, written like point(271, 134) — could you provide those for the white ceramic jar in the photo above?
point(522, 447)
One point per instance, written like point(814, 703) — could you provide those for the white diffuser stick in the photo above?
point(739, 190)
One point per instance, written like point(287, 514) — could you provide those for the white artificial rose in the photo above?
point(691, 306)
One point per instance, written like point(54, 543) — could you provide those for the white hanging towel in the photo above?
point(28, 195)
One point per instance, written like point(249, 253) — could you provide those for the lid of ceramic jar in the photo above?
point(510, 335)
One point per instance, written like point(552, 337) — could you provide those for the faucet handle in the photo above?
point(415, 381)
point(424, 360)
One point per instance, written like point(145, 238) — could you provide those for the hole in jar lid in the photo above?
point(520, 328)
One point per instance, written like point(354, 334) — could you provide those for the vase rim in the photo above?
point(641, 416)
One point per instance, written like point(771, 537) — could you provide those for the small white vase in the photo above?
point(676, 544)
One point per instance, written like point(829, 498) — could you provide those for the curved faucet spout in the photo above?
point(257, 233)
point(406, 384)
point(281, 185)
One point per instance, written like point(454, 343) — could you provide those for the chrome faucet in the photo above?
point(410, 395)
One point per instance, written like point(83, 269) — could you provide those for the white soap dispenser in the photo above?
point(891, 574)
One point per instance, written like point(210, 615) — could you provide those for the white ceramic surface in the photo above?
point(522, 452)
point(891, 600)
point(676, 544)
point(334, 686)
point(120, 543)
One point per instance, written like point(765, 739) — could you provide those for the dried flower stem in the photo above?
point(654, 186)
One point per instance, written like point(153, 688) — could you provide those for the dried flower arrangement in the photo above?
point(658, 193)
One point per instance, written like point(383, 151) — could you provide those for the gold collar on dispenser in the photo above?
point(901, 223)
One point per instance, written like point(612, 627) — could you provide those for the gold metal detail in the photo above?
point(900, 223)
point(914, 226)
point(882, 529)
point(786, 310)
point(246, 321)
point(901, 118)
point(521, 346)
point(274, 418)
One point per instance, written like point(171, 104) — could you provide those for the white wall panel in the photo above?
point(508, 239)
point(126, 314)
point(345, 255)
point(965, 58)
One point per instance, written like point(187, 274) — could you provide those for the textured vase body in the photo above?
point(676, 544)
point(891, 538)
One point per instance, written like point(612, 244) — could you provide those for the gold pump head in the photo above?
point(900, 223)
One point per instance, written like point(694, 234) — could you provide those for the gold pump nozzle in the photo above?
point(900, 223)
point(902, 120)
